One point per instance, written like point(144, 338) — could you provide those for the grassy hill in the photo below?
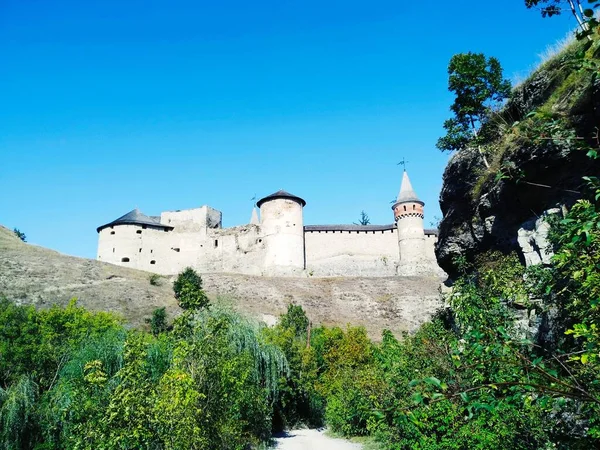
point(35, 275)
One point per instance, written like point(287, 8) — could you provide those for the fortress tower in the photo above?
point(282, 225)
point(408, 214)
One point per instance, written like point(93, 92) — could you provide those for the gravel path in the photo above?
point(313, 440)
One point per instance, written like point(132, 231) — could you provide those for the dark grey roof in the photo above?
point(281, 194)
point(359, 228)
point(135, 217)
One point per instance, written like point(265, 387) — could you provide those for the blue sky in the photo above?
point(110, 105)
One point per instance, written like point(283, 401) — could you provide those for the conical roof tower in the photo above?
point(407, 193)
point(254, 217)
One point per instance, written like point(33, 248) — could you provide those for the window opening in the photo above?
point(124, 259)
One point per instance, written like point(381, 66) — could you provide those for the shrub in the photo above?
point(155, 279)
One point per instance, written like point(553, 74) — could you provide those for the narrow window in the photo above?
point(144, 227)
point(140, 250)
point(113, 249)
point(414, 207)
point(139, 231)
point(124, 259)
point(151, 251)
point(166, 230)
point(176, 249)
point(152, 262)
point(404, 207)
point(112, 232)
point(216, 243)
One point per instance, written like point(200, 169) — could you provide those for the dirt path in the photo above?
point(313, 440)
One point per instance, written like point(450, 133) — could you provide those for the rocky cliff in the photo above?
point(537, 154)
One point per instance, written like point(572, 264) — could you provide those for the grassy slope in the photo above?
point(42, 277)
point(35, 275)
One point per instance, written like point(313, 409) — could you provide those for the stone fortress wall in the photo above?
point(279, 244)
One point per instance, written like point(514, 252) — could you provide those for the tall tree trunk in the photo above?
point(579, 16)
point(479, 146)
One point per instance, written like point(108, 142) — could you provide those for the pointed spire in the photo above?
point(254, 217)
point(407, 194)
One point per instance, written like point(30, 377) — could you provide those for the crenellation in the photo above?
point(275, 244)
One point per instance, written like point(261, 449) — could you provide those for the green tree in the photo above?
point(296, 319)
point(583, 15)
point(20, 234)
point(479, 86)
point(188, 290)
point(364, 219)
point(158, 321)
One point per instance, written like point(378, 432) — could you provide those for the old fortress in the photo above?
point(276, 244)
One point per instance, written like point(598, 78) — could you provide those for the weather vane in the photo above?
point(403, 163)
point(253, 198)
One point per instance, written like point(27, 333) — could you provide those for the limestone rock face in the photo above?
point(533, 239)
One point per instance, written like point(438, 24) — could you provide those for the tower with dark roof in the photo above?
point(408, 214)
point(282, 225)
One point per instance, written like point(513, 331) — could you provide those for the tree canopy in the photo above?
point(479, 86)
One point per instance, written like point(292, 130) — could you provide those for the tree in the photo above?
point(296, 319)
point(20, 234)
point(584, 16)
point(188, 290)
point(364, 219)
point(158, 322)
point(479, 87)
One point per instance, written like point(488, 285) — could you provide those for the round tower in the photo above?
point(408, 214)
point(282, 230)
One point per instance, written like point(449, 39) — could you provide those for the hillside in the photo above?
point(42, 277)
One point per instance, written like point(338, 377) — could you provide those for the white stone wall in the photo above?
point(237, 250)
point(192, 219)
point(140, 245)
point(282, 228)
point(351, 253)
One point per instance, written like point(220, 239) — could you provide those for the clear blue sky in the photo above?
point(110, 105)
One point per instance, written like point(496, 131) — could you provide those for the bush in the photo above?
point(155, 279)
